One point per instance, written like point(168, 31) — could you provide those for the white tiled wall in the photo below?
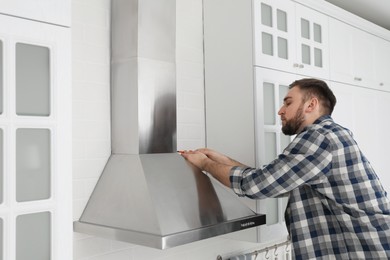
point(91, 123)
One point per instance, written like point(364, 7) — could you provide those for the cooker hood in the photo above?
point(148, 194)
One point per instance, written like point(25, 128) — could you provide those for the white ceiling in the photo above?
point(376, 11)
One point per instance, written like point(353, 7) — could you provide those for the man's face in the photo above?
point(291, 112)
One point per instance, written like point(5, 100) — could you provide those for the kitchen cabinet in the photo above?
point(352, 58)
point(48, 11)
point(271, 87)
point(274, 34)
point(290, 37)
point(35, 132)
point(382, 64)
point(250, 61)
point(362, 111)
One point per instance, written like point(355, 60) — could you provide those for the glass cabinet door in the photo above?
point(290, 37)
point(311, 42)
point(271, 88)
point(35, 141)
point(273, 33)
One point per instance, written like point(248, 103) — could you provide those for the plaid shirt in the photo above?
point(337, 207)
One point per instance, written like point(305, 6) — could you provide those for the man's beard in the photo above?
point(292, 126)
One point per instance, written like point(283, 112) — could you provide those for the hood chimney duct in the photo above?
point(143, 72)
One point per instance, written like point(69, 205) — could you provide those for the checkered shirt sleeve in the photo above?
point(306, 160)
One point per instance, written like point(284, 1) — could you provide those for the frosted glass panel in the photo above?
point(33, 236)
point(282, 48)
point(317, 57)
point(272, 211)
point(317, 33)
point(1, 165)
point(266, 15)
point(305, 54)
point(270, 147)
point(305, 28)
point(32, 164)
point(1, 77)
point(267, 44)
point(32, 80)
point(269, 103)
point(283, 89)
point(282, 20)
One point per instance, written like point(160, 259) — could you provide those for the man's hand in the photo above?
point(196, 158)
point(208, 161)
point(219, 157)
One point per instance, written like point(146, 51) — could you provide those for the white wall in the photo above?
point(91, 123)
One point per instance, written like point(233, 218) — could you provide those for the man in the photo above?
point(337, 207)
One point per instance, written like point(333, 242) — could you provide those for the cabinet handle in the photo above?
point(296, 65)
point(357, 79)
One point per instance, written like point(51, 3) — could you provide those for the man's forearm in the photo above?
point(219, 171)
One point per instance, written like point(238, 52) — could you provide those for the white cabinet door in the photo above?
point(270, 90)
point(382, 64)
point(362, 111)
point(340, 53)
point(290, 37)
point(274, 34)
point(36, 151)
point(49, 11)
point(382, 126)
point(311, 43)
point(351, 53)
point(363, 63)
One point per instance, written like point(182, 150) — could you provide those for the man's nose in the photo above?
point(281, 111)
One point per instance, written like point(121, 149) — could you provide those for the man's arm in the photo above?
point(220, 158)
point(218, 170)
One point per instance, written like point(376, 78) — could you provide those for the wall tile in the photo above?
point(90, 168)
point(91, 246)
point(87, 91)
point(88, 14)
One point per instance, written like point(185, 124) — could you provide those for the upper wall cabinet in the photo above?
point(382, 64)
point(291, 37)
point(352, 55)
point(49, 11)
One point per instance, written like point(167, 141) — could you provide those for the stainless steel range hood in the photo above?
point(148, 194)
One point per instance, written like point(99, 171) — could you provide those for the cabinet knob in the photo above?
point(381, 84)
point(357, 79)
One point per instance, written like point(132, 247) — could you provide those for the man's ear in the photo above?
point(313, 104)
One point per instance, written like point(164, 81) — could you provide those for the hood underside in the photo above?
point(148, 194)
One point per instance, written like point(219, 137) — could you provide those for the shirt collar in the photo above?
point(322, 118)
point(317, 122)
